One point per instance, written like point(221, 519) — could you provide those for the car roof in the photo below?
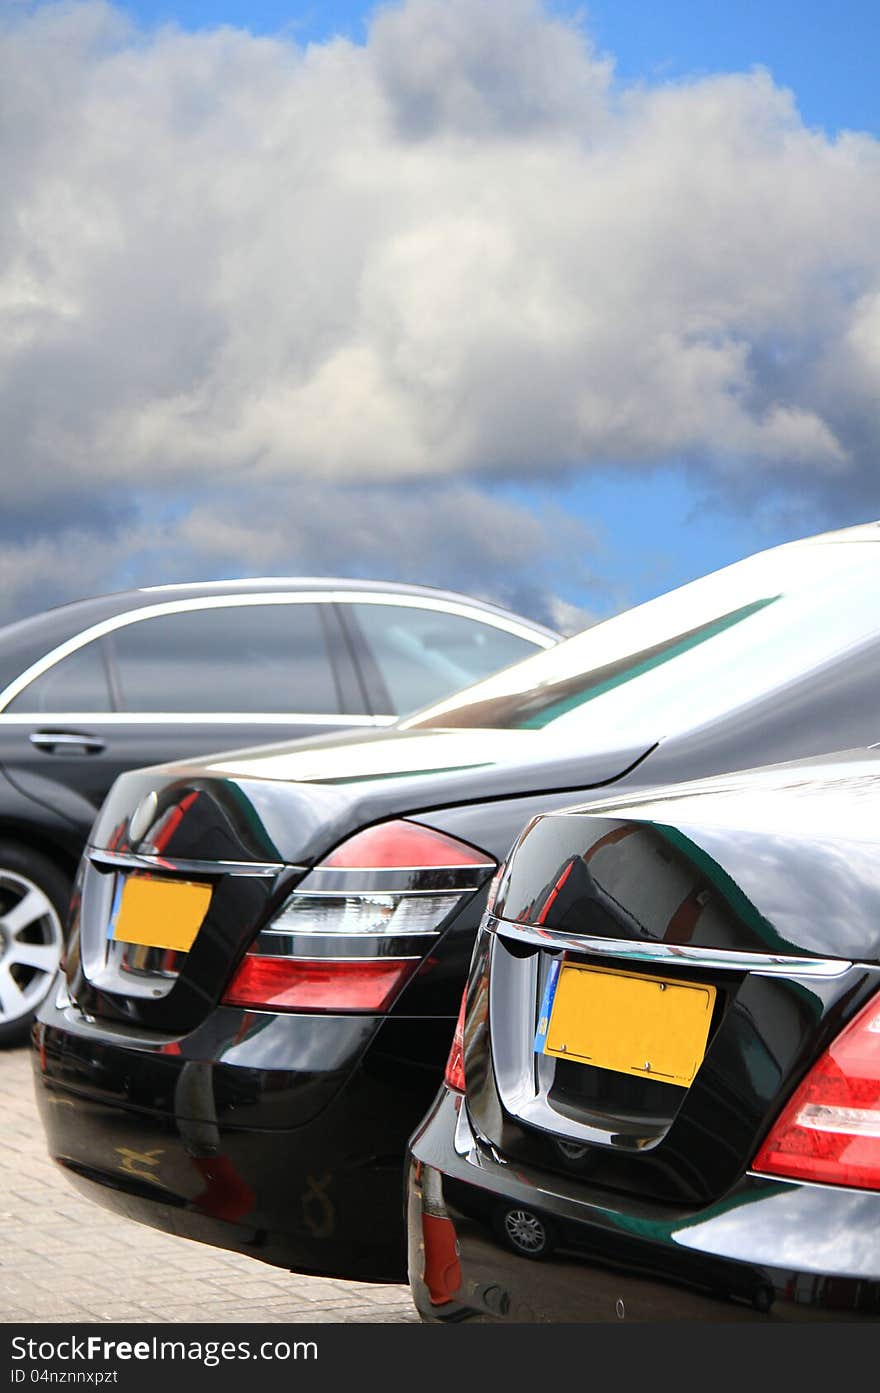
point(26, 640)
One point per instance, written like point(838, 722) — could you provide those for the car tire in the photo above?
point(34, 896)
point(523, 1231)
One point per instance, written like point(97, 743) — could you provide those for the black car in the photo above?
point(268, 948)
point(103, 685)
point(663, 1099)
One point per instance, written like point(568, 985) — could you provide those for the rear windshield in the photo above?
point(695, 652)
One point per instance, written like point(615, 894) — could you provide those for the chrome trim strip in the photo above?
point(42, 718)
point(337, 957)
point(764, 1176)
point(277, 929)
point(333, 596)
point(724, 959)
point(133, 861)
point(57, 737)
point(368, 892)
point(474, 866)
point(466, 611)
point(451, 892)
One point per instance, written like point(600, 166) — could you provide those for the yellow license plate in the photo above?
point(159, 913)
point(654, 1027)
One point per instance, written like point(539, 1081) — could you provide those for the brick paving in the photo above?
point(64, 1259)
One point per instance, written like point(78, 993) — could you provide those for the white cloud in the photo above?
point(486, 70)
point(457, 253)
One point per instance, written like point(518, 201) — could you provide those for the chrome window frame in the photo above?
point(236, 601)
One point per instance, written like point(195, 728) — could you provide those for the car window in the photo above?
point(422, 654)
point(236, 658)
point(75, 683)
point(532, 710)
point(689, 656)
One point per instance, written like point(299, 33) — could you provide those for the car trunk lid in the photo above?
point(188, 862)
point(654, 980)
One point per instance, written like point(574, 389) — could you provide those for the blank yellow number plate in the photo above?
point(654, 1027)
point(161, 913)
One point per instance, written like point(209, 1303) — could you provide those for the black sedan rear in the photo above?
point(663, 1100)
point(268, 948)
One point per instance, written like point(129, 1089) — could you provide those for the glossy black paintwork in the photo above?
point(128, 745)
point(384, 1078)
point(43, 819)
point(253, 820)
point(767, 1250)
point(299, 822)
point(656, 1205)
point(217, 821)
point(238, 907)
point(650, 1139)
point(300, 1124)
point(819, 713)
point(772, 891)
point(266, 1071)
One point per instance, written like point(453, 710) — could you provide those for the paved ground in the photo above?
point(65, 1259)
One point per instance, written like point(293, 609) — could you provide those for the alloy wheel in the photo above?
point(31, 942)
point(525, 1231)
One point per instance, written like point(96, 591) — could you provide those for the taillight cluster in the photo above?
point(454, 1076)
point(358, 925)
point(830, 1128)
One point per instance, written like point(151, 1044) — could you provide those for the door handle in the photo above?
point(56, 741)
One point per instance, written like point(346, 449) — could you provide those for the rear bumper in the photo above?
point(769, 1250)
point(239, 1136)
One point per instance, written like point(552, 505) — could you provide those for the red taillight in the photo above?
point(394, 845)
point(285, 984)
point(454, 1076)
point(361, 923)
point(830, 1128)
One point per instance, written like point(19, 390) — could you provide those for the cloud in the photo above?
point(502, 70)
point(509, 552)
point(455, 256)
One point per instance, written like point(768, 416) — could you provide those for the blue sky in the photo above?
point(827, 54)
point(597, 463)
